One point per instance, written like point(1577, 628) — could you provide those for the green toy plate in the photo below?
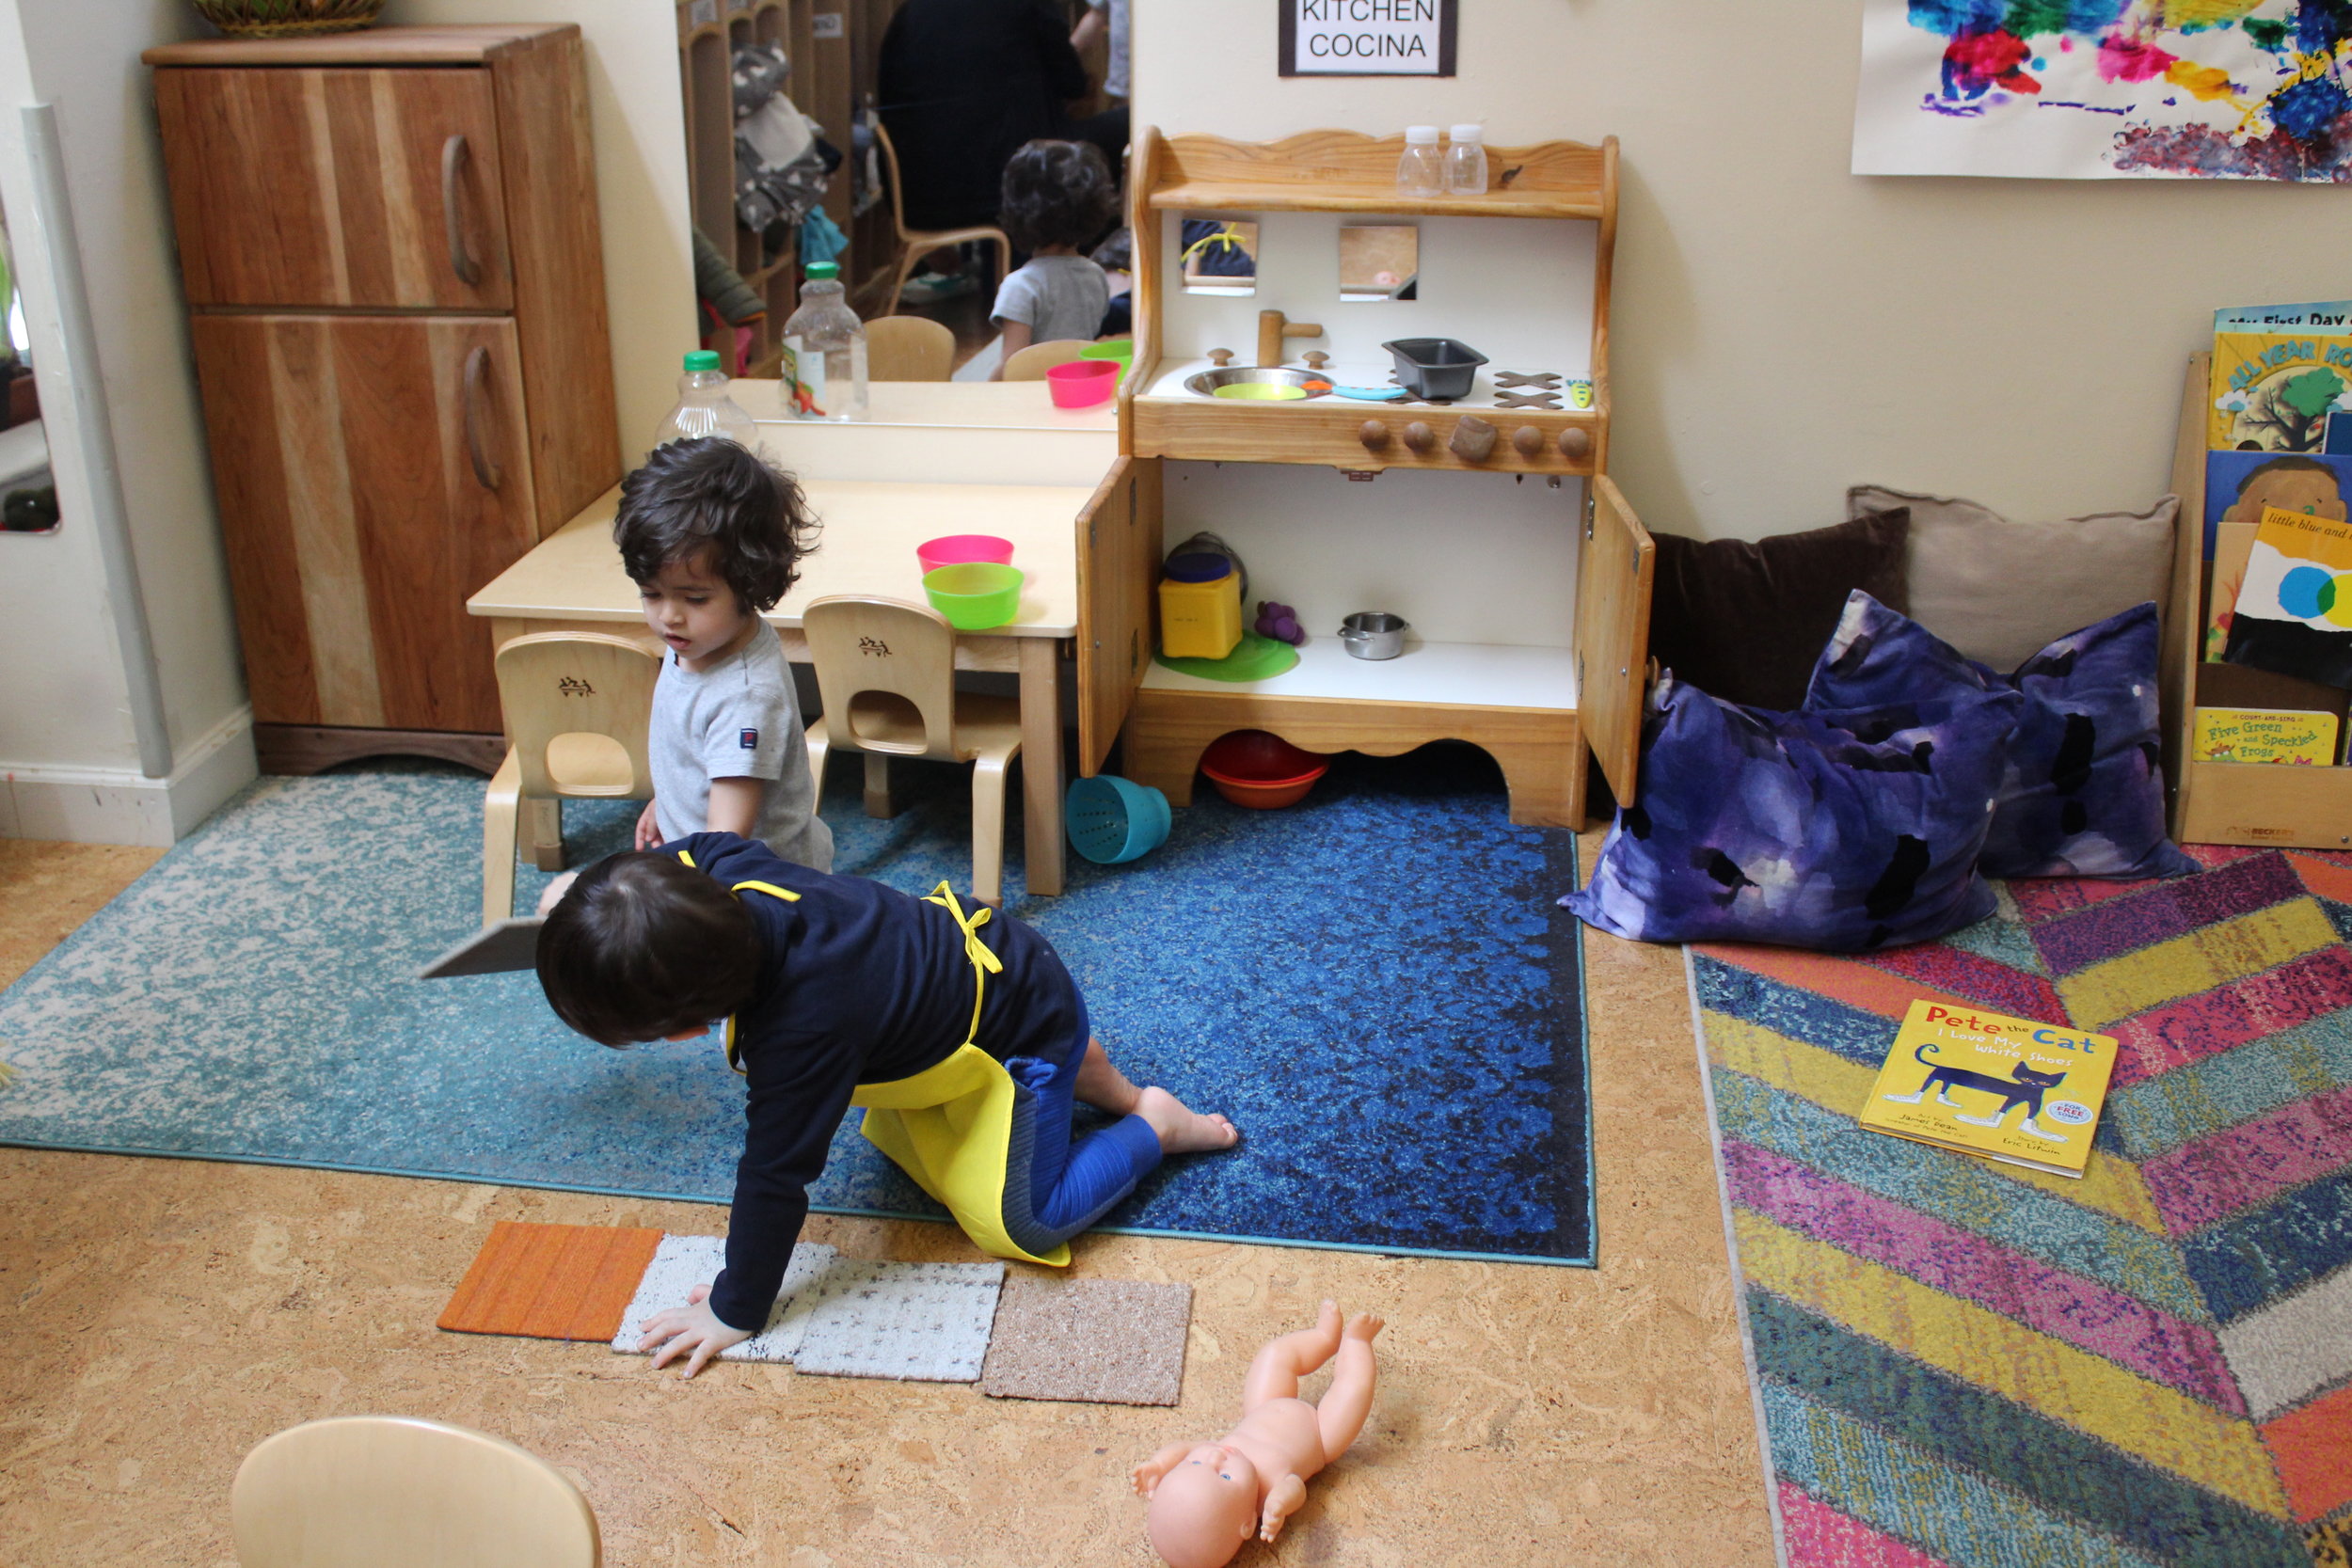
point(1261, 392)
point(1253, 659)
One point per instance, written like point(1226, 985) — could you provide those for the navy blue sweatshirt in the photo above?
point(859, 984)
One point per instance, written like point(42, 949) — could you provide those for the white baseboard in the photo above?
point(118, 805)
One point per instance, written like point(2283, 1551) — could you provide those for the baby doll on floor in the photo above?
point(1207, 1498)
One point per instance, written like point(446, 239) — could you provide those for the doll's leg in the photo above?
point(1273, 1373)
point(1348, 1400)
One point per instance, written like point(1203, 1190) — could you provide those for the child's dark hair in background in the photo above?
point(1057, 194)
point(643, 948)
point(712, 495)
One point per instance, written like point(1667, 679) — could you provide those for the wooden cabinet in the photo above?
point(1525, 561)
point(389, 242)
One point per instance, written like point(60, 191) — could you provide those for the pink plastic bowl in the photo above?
point(962, 550)
point(1082, 383)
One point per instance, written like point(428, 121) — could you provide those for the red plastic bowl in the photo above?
point(1253, 769)
point(961, 549)
point(1082, 383)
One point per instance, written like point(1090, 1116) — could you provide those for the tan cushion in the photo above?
point(2001, 592)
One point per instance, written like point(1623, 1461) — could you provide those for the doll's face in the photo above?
point(1205, 1508)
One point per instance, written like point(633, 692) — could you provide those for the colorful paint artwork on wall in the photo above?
point(2247, 89)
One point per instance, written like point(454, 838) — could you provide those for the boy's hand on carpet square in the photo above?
point(693, 1331)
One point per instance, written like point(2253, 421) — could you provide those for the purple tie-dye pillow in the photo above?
point(1845, 832)
point(2084, 792)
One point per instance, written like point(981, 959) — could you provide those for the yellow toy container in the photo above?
point(1199, 607)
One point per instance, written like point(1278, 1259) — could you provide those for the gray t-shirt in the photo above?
point(1059, 296)
point(737, 720)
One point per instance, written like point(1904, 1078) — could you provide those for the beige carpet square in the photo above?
point(1094, 1342)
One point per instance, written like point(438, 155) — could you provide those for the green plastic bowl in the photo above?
point(975, 595)
point(1121, 349)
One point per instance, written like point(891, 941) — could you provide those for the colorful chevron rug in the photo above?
point(1966, 1363)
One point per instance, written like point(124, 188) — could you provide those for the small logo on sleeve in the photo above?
point(748, 740)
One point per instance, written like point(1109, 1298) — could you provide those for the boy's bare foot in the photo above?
point(1363, 1325)
point(1181, 1130)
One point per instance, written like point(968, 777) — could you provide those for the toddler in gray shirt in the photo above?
point(712, 536)
point(1058, 197)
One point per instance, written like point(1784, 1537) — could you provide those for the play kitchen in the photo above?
point(1395, 410)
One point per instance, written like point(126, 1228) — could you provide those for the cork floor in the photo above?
point(167, 1315)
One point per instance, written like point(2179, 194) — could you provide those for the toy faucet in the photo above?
point(1272, 326)
point(1207, 1498)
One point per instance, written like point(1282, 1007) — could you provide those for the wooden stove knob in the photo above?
point(1418, 436)
point(1576, 443)
point(1316, 359)
point(1374, 435)
point(1527, 441)
point(1474, 440)
point(1221, 357)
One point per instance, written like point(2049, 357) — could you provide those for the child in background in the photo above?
point(1058, 197)
point(712, 535)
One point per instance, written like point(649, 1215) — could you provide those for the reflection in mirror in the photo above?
point(1220, 256)
point(28, 497)
point(1379, 261)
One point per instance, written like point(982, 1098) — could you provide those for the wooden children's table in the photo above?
point(979, 459)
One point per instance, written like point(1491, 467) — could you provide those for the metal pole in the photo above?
point(53, 211)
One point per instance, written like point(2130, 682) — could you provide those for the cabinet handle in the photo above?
point(454, 156)
point(486, 472)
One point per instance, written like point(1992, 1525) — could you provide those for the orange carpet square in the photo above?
point(551, 1281)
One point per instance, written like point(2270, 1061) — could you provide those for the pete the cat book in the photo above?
point(1959, 1077)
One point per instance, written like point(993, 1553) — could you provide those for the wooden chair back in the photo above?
point(1032, 363)
point(913, 244)
point(577, 706)
point(909, 348)
point(395, 1491)
point(890, 178)
point(886, 671)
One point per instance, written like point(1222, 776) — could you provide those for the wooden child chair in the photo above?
point(397, 1491)
point(886, 672)
point(576, 704)
point(1032, 363)
point(915, 244)
point(909, 348)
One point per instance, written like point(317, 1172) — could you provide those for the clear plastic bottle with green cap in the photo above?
point(703, 407)
point(825, 350)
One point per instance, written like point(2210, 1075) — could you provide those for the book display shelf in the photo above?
point(2226, 803)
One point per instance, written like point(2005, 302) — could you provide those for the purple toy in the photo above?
point(1279, 621)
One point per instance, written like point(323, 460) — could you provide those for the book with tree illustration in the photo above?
point(2278, 371)
point(1957, 1076)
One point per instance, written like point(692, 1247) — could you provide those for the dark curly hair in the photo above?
point(712, 495)
point(1057, 193)
point(642, 948)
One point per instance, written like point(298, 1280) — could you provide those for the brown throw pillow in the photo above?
point(1743, 620)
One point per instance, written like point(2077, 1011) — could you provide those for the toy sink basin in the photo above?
point(1295, 384)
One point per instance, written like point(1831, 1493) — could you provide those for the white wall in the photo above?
point(638, 120)
point(1781, 328)
point(66, 742)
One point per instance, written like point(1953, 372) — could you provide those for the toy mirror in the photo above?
point(1218, 256)
point(28, 495)
point(1379, 261)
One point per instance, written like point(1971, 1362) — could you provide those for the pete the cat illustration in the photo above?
point(1981, 1067)
point(2024, 1085)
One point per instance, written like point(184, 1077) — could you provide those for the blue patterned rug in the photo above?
point(1373, 983)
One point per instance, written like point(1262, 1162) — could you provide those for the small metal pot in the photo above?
point(1374, 634)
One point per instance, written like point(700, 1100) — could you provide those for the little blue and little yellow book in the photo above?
point(1957, 1075)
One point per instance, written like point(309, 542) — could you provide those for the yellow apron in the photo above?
point(949, 1126)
